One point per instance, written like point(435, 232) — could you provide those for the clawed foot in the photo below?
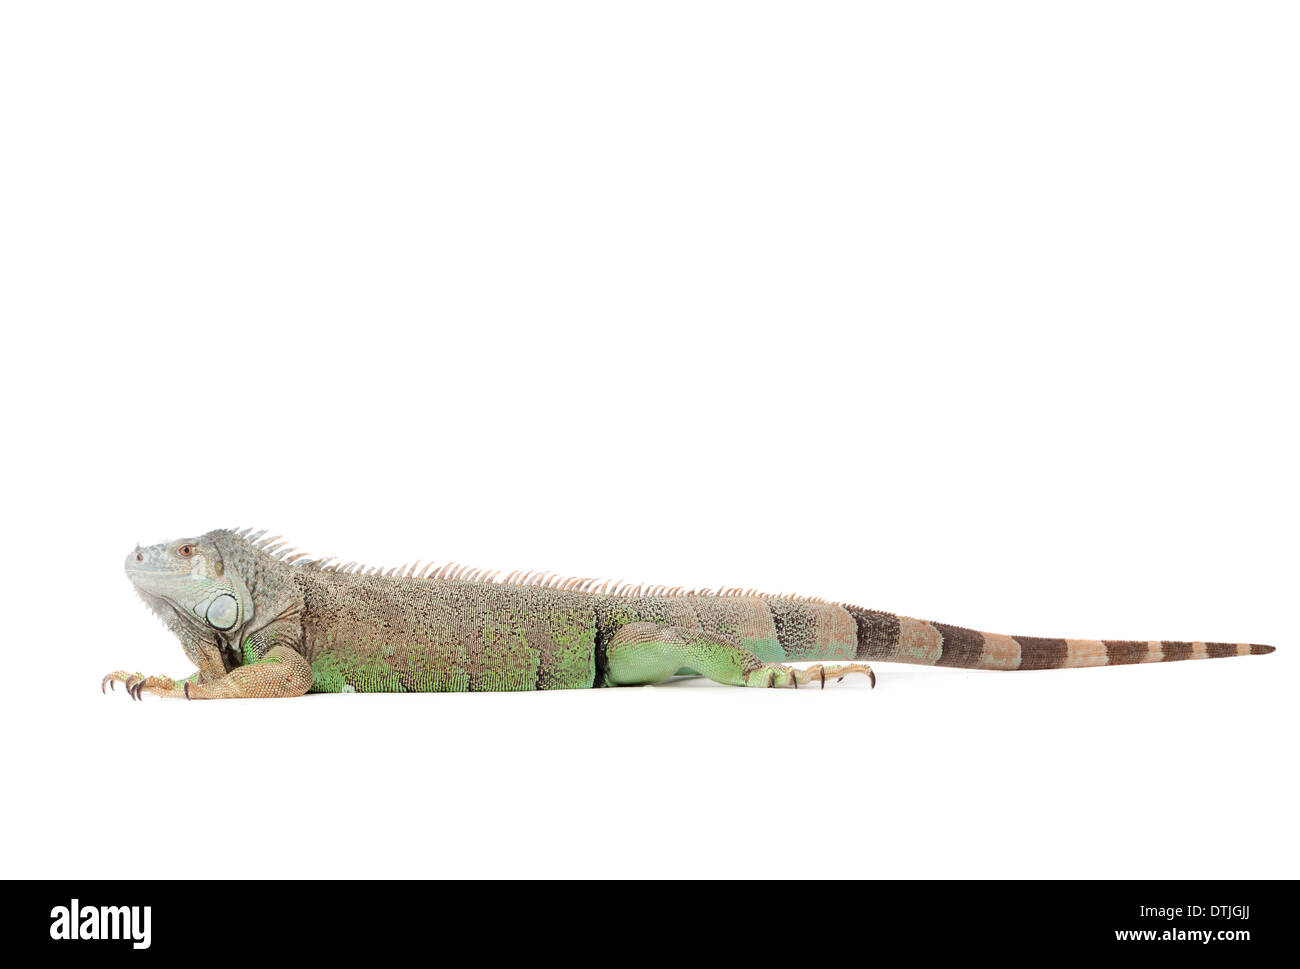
point(138, 683)
point(819, 673)
point(132, 680)
point(778, 674)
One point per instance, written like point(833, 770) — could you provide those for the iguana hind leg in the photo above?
point(643, 652)
point(777, 674)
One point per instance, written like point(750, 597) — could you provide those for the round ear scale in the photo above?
point(223, 611)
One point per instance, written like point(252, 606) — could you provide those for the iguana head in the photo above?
point(192, 587)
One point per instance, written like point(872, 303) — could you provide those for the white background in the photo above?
point(982, 313)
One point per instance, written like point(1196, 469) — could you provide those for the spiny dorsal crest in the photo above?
point(277, 548)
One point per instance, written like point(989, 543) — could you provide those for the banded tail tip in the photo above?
point(1258, 649)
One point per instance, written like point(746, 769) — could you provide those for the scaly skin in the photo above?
point(259, 621)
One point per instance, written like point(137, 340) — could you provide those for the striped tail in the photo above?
point(899, 639)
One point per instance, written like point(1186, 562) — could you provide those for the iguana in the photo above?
point(259, 619)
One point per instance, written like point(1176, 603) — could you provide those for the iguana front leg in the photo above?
point(643, 652)
point(272, 668)
point(281, 671)
point(203, 654)
point(138, 683)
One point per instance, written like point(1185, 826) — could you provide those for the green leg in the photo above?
point(643, 652)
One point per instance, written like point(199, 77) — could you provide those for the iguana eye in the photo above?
point(185, 550)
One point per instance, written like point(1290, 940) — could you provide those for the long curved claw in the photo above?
point(107, 683)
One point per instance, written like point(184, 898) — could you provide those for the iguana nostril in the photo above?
point(139, 557)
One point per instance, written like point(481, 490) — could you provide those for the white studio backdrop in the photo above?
point(979, 313)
